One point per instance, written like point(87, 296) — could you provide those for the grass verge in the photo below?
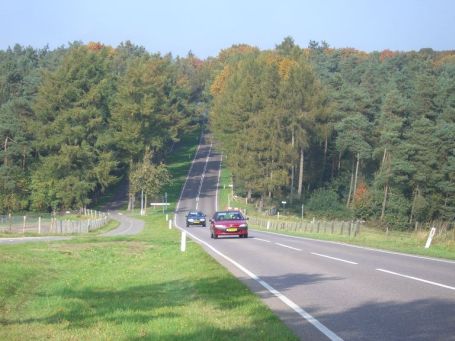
point(127, 288)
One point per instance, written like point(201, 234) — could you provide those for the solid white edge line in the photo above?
point(359, 247)
point(201, 181)
point(334, 258)
point(218, 184)
point(417, 279)
point(289, 247)
point(318, 325)
point(323, 329)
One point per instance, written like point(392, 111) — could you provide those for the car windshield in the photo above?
point(195, 215)
point(228, 216)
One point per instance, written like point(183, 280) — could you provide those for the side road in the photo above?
point(128, 226)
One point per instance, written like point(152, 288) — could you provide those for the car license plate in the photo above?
point(231, 230)
point(196, 221)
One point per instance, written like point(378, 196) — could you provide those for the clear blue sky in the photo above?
point(207, 26)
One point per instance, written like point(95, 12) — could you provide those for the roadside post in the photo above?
point(170, 224)
point(183, 242)
point(284, 206)
point(39, 225)
point(430, 237)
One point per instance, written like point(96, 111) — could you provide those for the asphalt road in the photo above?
point(326, 290)
point(128, 226)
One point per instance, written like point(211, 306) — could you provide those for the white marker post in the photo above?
point(183, 242)
point(170, 224)
point(430, 237)
point(39, 225)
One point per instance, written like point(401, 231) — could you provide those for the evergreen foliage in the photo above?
point(375, 128)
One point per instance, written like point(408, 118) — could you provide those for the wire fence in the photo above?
point(351, 228)
point(49, 224)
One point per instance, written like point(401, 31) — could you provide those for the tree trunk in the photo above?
point(24, 156)
point(248, 196)
point(142, 202)
point(130, 202)
point(5, 160)
point(384, 201)
point(324, 160)
point(356, 177)
point(416, 192)
point(339, 161)
point(350, 185)
point(145, 204)
point(292, 183)
point(292, 170)
point(383, 158)
point(299, 191)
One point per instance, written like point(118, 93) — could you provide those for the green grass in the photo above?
point(112, 224)
point(412, 243)
point(127, 288)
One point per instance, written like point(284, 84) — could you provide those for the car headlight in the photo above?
point(243, 225)
point(190, 220)
point(219, 226)
point(202, 219)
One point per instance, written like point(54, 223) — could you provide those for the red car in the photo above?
point(228, 223)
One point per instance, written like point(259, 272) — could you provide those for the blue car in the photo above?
point(195, 218)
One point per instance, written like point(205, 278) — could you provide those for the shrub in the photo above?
point(326, 202)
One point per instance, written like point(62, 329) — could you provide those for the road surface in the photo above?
point(325, 290)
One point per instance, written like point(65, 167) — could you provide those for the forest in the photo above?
point(347, 133)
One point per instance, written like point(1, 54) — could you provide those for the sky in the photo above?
point(207, 26)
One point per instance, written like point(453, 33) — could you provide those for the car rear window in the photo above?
point(229, 216)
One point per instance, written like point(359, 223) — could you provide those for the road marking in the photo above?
point(323, 329)
point(189, 172)
point(262, 240)
point(417, 279)
point(358, 247)
point(318, 325)
point(201, 181)
point(218, 184)
point(289, 247)
point(334, 258)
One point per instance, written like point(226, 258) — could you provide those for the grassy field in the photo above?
point(399, 241)
point(128, 288)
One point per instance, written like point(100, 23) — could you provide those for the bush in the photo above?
point(326, 202)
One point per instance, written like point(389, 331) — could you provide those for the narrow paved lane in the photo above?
point(325, 289)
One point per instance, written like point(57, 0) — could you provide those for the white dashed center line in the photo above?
point(289, 247)
point(262, 240)
point(417, 279)
point(334, 258)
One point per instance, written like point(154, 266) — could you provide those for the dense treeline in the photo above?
point(368, 134)
point(75, 120)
